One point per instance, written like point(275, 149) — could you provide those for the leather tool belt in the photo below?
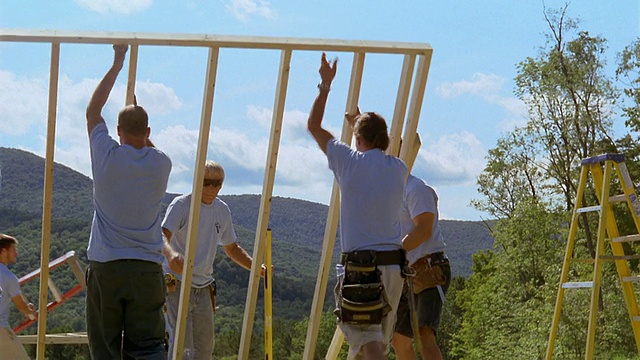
point(428, 273)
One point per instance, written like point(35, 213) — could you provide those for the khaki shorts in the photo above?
point(10, 346)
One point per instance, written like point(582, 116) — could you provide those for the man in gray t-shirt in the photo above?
point(423, 239)
point(214, 228)
point(125, 284)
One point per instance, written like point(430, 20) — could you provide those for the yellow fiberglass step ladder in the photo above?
point(601, 168)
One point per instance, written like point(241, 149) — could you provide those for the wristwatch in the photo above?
point(323, 86)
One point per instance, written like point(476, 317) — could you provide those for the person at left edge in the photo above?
point(10, 347)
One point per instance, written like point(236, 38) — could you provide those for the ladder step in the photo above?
point(583, 260)
point(577, 284)
point(628, 238)
point(618, 198)
point(636, 318)
point(588, 209)
point(620, 257)
point(635, 278)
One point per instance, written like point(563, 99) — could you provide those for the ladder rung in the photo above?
point(588, 209)
point(55, 291)
point(577, 284)
point(636, 318)
point(583, 260)
point(620, 257)
point(635, 278)
point(618, 198)
point(628, 238)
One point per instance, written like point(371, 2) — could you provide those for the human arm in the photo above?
point(25, 307)
point(174, 258)
point(102, 91)
point(240, 256)
point(421, 231)
point(314, 123)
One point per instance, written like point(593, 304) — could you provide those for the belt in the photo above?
point(436, 255)
point(392, 257)
point(433, 258)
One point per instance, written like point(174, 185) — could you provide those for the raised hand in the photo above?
point(351, 117)
point(119, 52)
point(327, 69)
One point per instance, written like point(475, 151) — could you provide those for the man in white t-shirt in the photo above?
point(371, 187)
point(10, 347)
point(425, 245)
point(125, 284)
point(214, 228)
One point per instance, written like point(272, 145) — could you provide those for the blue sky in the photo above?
point(468, 104)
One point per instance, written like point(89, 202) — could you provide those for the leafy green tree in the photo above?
point(628, 72)
point(506, 303)
point(510, 176)
point(570, 102)
point(530, 183)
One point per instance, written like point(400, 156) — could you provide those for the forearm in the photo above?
point(102, 91)
point(168, 251)
point(421, 231)
point(317, 110)
point(23, 305)
point(240, 257)
point(314, 124)
point(415, 238)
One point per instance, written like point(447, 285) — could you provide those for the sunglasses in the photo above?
point(212, 182)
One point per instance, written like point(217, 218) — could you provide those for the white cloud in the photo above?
point(23, 103)
point(243, 9)
point(260, 114)
point(301, 172)
point(179, 143)
point(125, 7)
point(480, 84)
point(157, 98)
point(489, 87)
point(452, 159)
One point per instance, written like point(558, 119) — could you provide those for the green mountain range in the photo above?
point(297, 229)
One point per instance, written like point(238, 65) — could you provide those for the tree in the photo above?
point(505, 303)
point(570, 102)
point(511, 175)
point(629, 73)
point(530, 183)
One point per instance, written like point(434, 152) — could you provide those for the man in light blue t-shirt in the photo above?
point(10, 347)
point(371, 187)
point(214, 228)
point(125, 284)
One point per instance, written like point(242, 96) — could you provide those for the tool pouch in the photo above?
point(171, 282)
point(428, 274)
point(361, 298)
